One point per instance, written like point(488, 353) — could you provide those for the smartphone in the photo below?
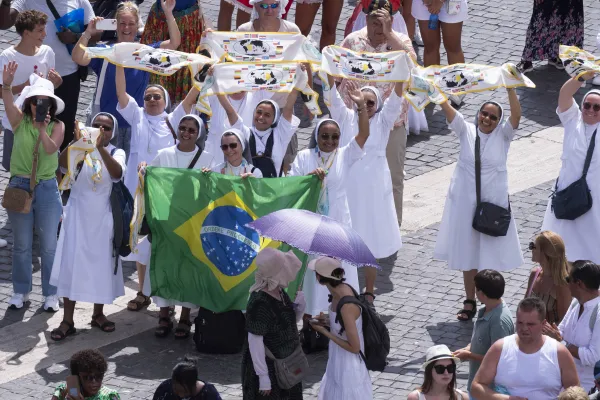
point(41, 109)
point(73, 386)
point(107, 25)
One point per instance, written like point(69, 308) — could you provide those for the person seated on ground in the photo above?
point(89, 366)
point(573, 393)
point(184, 384)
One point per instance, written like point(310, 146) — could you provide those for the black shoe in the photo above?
point(525, 66)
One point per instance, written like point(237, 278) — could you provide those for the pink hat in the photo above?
point(275, 268)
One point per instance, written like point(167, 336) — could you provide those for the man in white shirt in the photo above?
point(580, 328)
point(58, 41)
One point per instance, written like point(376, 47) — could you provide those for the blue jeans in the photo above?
point(44, 216)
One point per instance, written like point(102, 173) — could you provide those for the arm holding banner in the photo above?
point(79, 54)
point(232, 115)
point(301, 79)
point(174, 34)
point(515, 108)
point(568, 90)
point(190, 100)
point(363, 116)
point(121, 85)
point(449, 111)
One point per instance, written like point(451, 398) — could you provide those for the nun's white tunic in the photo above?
point(83, 268)
point(580, 235)
point(457, 242)
point(306, 161)
point(369, 183)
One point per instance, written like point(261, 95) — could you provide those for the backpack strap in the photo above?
point(195, 159)
point(171, 129)
point(594, 316)
point(53, 9)
point(477, 167)
point(590, 153)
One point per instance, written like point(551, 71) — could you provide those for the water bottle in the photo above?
point(433, 21)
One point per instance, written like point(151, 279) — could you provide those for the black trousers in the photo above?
point(69, 93)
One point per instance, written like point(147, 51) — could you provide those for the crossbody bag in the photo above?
point(576, 199)
point(489, 219)
point(19, 200)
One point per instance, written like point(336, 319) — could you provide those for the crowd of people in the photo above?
point(358, 153)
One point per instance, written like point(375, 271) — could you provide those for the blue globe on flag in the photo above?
point(227, 242)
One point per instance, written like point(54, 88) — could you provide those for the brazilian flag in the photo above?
point(202, 252)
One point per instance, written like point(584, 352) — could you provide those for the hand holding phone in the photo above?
point(41, 109)
point(73, 386)
point(107, 25)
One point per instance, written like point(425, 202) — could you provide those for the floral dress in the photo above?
point(103, 394)
point(553, 22)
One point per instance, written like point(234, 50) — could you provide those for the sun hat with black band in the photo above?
point(438, 352)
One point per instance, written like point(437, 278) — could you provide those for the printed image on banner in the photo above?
point(159, 61)
point(77, 151)
point(577, 61)
point(202, 252)
point(255, 47)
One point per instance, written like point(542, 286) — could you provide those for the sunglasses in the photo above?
point(266, 6)
point(370, 103)
point(531, 246)
point(230, 145)
point(92, 377)
point(191, 131)
point(155, 96)
point(487, 114)
point(439, 369)
point(105, 127)
point(332, 137)
point(587, 106)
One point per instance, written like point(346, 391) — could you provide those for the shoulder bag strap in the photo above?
point(36, 154)
point(590, 153)
point(171, 129)
point(269, 146)
point(195, 159)
point(53, 9)
point(477, 168)
point(252, 144)
point(537, 273)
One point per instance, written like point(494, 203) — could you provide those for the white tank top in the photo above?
point(533, 376)
point(458, 393)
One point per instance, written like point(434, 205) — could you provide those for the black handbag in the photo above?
point(489, 219)
point(576, 199)
point(312, 341)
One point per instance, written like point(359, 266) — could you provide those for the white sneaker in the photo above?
point(17, 300)
point(51, 303)
point(3, 243)
point(418, 39)
point(596, 80)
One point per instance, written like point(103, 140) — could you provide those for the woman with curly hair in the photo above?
point(89, 366)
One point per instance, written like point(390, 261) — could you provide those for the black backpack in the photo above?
point(375, 333)
point(219, 333)
point(121, 204)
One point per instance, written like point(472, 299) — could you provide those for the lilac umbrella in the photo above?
point(315, 234)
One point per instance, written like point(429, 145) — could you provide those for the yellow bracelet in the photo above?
point(7, 87)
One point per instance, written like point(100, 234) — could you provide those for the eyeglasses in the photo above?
point(587, 106)
point(332, 137)
point(105, 127)
point(230, 145)
point(531, 246)
point(184, 129)
point(154, 96)
point(370, 103)
point(487, 114)
point(439, 369)
point(92, 377)
point(266, 6)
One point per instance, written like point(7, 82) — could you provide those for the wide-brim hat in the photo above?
point(438, 352)
point(275, 268)
point(324, 266)
point(39, 86)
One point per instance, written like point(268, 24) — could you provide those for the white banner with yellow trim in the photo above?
point(260, 47)
point(577, 61)
point(77, 151)
point(158, 61)
point(231, 78)
point(435, 83)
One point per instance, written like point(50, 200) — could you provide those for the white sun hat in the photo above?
point(39, 86)
point(438, 352)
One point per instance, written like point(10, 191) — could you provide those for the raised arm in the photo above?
point(515, 107)
point(449, 111)
point(232, 115)
point(13, 113)
point(300, 83)
point(394, 41)
point(121, 87)
point(363, 116)
point(190, 100)
point(174, 34)
point(79, 54)
point(568, 90)
point(8, 16)
point(114, 168)
point(51, 144)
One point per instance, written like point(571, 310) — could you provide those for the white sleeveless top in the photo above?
point(533, 376)
point(458, 393)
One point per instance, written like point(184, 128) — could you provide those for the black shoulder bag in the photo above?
point(576, 199)
point(489, 218)
point(144, 228)
point(81, 71)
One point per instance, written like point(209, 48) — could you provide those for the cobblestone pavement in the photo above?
point(417, 305)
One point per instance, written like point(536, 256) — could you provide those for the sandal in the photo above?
point(139, 302)
point(183, 333)
point(469, 314)
point(107, 326)
point(162, 331)
point(58, 335)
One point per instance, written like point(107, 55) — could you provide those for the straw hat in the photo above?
point(438, 352)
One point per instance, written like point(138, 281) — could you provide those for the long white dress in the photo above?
point(306, 161)
point(457, 242)
point(580, 235)
point(369, 183)
point(83, 268)
point(171, 157)
point(346, 376)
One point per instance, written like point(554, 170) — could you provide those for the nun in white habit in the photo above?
point(182, 156)
point(330, 162)
point(581, 234)
point(84, 267)
point(234, 148)
point(463, 247)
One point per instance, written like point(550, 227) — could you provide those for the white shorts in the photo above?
point(420, 12)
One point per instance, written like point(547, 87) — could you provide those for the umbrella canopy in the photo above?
point(315, 234)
